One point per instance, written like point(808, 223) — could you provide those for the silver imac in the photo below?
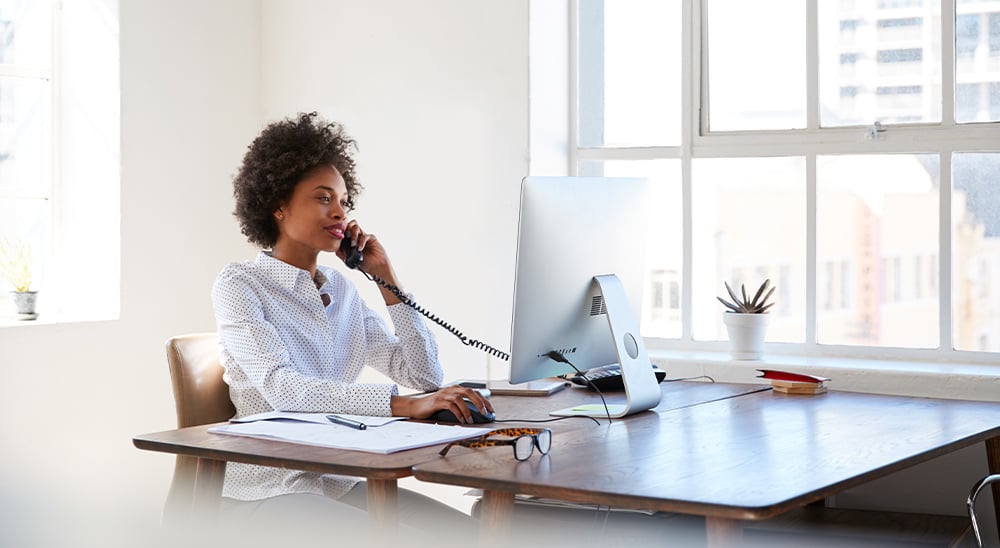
point(579, 273)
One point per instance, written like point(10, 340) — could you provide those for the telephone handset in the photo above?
point(353, 259)
point(352, 255)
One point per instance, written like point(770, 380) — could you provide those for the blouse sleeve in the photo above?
point(410, 355)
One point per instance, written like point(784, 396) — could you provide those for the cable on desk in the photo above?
point(710, 379)
point(557, 356)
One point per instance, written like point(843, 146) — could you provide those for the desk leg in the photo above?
point(723, 532)
point(993, 459)
point(495, 514)
point(208, 477)
point(382, 497)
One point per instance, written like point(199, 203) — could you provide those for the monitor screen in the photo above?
point(571, 230)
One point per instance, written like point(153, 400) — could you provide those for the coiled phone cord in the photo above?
point(405, 299)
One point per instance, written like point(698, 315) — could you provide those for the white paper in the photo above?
point(393, 436)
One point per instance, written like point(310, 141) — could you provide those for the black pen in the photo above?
point(346, 422)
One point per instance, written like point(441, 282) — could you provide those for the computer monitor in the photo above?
point(580, 260)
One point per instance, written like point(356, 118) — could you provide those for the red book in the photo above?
point(776, 375)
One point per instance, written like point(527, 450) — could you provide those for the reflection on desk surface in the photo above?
point(676, 395)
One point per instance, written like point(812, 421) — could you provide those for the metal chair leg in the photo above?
point(971, 503)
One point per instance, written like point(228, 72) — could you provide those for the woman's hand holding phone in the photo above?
point(373, 258)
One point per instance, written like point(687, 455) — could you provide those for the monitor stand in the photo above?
point(642, 392)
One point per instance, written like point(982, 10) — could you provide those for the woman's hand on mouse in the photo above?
point(451, 398)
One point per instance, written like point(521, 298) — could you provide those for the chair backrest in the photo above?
point(200, 394)
point(201, 397)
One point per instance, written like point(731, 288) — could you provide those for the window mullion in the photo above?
point(948, 63)
point(945, 263)
point(690, 126)
point(699, 18)
point(812, 66)
point(590, 86)
point(946, 342)
point(811, 250)
point(574, 85)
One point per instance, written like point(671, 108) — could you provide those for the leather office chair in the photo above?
point(200, 397)
point(970, 503)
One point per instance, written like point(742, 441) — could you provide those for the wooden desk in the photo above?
point(214, 450)
point(381, 471)
point(746, 458)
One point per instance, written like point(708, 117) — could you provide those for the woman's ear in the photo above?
point(279, 214)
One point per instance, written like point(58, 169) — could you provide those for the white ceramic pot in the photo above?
point(746, 334)
point(24, 304)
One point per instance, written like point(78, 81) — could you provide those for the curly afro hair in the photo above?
point(283, 154)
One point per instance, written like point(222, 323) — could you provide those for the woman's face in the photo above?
point(315, 217)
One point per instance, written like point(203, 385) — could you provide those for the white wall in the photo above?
point(436, 95)
point(435, 92)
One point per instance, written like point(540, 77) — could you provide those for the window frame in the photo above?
point(49, 174)
point(82, 177)
point(944, 139)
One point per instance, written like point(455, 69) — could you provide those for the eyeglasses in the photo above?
point(524, 441)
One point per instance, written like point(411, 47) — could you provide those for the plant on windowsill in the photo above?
point(746, 321)
point(15, 268)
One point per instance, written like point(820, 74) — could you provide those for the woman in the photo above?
point(295, 335)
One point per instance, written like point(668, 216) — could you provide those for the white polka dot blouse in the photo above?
point(284, 350)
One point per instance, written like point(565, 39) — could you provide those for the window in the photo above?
point(831, 279)
point(900, 55)
point(664, 300)
point(890, 4)
point(967, 102)
point(897, 90)
point(624, 74)
point(994, 38)
point(25, 126)
point(994, 95)
point(901, 22)
point(975, 66)
point(850, 25)
point(976, 245)
point(59, 151)
point(846, 285)
point(966, 35)
point(768, 165)
point(755, 81)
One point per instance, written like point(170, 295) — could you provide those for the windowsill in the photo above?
point(898, 377)
point(10, 320)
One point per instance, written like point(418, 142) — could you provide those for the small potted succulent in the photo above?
point(15, 268)
point(746, 320)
